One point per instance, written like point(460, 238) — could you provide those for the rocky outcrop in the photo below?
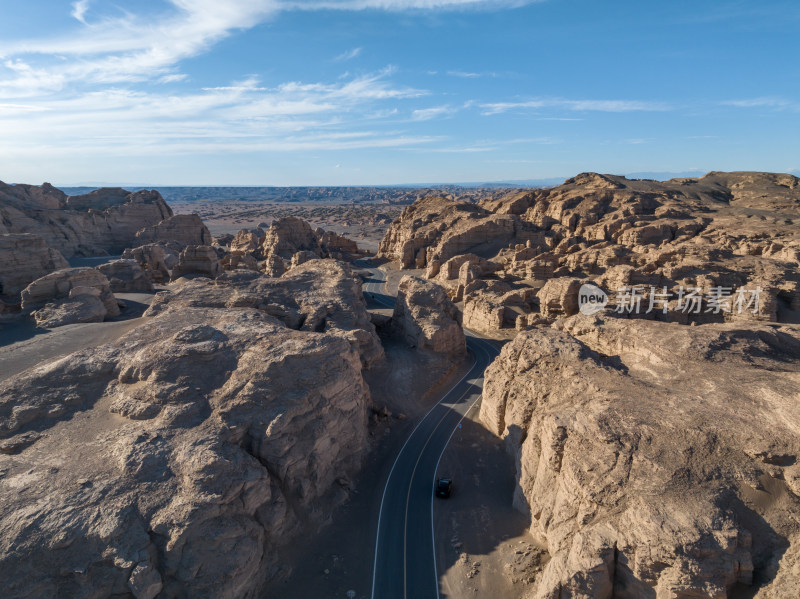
point(126, 276)
point(83, 304)
point(248, 242)
point(274, 266)
point(559, 297)
point(491, 306)
point(435, 229)
point(335, 245)
point(25, 257)
point(458, 272)
point(184, 229)
point(290, 242)
point(238, 260)
point(426, 318)
point(293, 299)
point(198, 444)
point(156, 259)
point(103, 222)
point(58, 285)
point(716, 237)
point(287, 236)
point(654, 459)
point(197, 260)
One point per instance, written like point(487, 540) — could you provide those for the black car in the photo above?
point(443, 487)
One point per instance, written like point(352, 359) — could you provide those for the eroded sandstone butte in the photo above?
point(104, 221)
point(178, 459)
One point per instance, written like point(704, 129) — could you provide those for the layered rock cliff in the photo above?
point(655, 460)
point(24, 258)
point(103, 222)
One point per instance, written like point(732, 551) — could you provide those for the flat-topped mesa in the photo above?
point(102, 222)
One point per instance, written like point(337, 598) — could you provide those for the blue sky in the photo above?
point(337, 92)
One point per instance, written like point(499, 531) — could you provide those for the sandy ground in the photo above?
point(24, 346)
point(484, 549)
point(366, 224)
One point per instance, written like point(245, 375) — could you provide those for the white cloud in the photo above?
point(769, 102)
point(79, 10)
point(577, 105)
point(175, 77)
point(426, 114)
point(76, 92)
point(404, 5)
point(243, 116)
point(134, 47)
point(349, 55)
point(464, 74)
point(470, 74)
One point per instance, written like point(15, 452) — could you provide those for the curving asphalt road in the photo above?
point(405, 562)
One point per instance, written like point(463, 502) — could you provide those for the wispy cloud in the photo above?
point(577, 105)
point(242, 116)
point(404, 5)
point(426, 114)
point(349, 55)
point(79, 10)
point(470, 74)
point(764, 102)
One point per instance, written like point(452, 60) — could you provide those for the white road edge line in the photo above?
point(388, 478)
point(436, 471)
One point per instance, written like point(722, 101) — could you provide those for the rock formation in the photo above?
point(434, 229)
point(103, 222)
point(184, 229)
point(25, 257)
point(126, 276)
point(177, 460)
point(248, 242)
point(288, 236)
point(654, 459)
point(82, 304)
point(59, 284)
point(238, 260)
point(156, 259)
point(719, 235)
point(426, 318)
point(197, 260)
point(489, 306)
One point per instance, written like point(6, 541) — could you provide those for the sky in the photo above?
point(379, 92)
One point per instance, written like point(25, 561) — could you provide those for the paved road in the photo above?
point(405, 562)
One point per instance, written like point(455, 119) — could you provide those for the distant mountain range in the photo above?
point(399, 193)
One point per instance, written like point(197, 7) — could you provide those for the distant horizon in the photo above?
point(655, 175)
